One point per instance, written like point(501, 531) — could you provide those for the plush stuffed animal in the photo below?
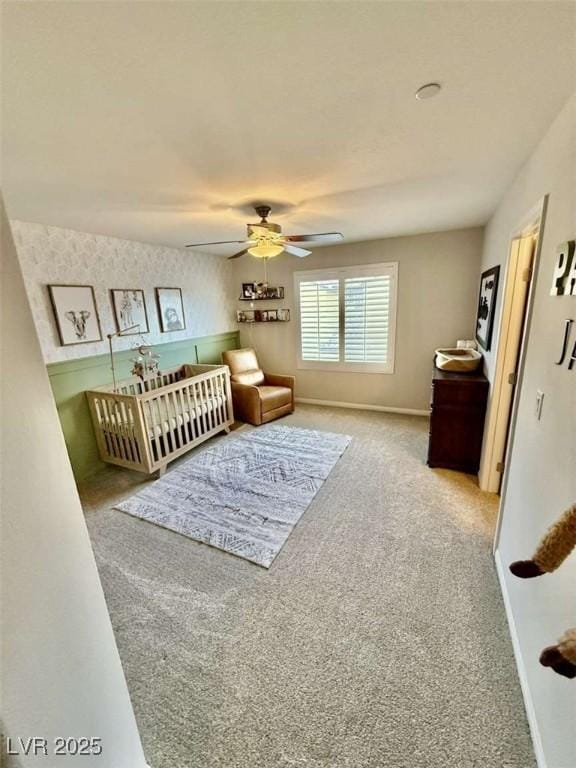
point(554, 548)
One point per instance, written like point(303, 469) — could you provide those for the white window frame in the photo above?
point(342, 273)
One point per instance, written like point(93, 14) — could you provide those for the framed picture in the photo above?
point(75, 313)
point(129, 307)
point(486, 306)
point(248, 290)
point(283, 315)
point(272, 314)
point(262, 316)
point(170, 309)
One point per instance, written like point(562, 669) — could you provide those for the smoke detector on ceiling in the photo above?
point(428, 91)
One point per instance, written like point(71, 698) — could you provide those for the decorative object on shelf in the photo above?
point(145, 365)
point(261, 292)
point(486, 306)
point(265, 239)
point(245, 316)
point(170, 309)
point(129, 307)
point(564, 278)
point(76, 314)
point(262, 315)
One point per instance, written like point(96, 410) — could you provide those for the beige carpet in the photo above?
point(377, 640)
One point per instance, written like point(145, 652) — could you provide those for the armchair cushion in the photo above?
point(279, 380)
point(250, 378)
point(240, 360)
point(274, 397)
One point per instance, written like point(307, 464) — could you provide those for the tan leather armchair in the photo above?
point(258, 397)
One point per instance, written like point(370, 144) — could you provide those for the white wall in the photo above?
point(542, 466)
point(55, 255)
point(437, 296)
point(61, 673)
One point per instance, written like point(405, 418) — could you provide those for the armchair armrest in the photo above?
point(246, 400)
point(279, 380)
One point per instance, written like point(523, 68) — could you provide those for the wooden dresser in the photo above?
point(457, 420)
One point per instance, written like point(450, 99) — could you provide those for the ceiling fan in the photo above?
point(265, 239)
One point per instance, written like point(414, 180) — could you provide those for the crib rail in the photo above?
point(144, 426)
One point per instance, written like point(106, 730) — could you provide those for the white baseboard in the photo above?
point(363, 406)
point(528, 703)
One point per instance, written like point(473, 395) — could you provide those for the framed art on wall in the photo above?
point(248, 290)
point(486, 306)
point(76, 314)
point(170, 309)
point(129, 307)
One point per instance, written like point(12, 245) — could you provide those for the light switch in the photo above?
point(539, 401)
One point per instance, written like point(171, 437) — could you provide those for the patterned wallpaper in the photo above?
point(54, 255)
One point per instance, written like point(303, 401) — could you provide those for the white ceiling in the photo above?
point(159, 121)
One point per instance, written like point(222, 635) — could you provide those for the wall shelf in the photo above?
point(250, 316)
point(262, 298)
point(261, 292)
point(261, 322)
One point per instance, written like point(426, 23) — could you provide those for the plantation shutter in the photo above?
point(319, 320)
point(367, 319)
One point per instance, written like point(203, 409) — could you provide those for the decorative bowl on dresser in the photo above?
point(458, 408)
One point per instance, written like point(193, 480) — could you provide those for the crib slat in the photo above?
point(222, 397)
point(197, 415)
point(213, 403)
point(192, 421)
point(176, 431)
point(158, 431)
point(179, 394)
point(209, 413)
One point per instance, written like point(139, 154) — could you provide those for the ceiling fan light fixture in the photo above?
point(266, 251)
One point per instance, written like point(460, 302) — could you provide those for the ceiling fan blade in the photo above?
point(321, 237)
point(296, 251)
point(217, 242)
point(237, 255)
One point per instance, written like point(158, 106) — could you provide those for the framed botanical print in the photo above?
point(170, 309)
point(129, 307)
point(76, 314)
point(486, 306)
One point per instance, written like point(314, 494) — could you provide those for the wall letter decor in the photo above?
point(567, 329)
point(564, 279)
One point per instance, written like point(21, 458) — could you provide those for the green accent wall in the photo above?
point(71, 378)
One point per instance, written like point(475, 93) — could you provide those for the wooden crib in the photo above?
point(144, 425)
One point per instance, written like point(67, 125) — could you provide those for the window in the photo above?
point(347, 318)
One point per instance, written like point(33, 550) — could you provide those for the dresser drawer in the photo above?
point(453, 393)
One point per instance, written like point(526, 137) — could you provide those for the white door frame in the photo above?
point(531, 224)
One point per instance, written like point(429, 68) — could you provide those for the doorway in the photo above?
point(514, 323)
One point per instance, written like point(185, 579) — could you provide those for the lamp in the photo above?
point(265, 250)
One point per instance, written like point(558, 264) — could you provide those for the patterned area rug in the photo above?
point(246, 494)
